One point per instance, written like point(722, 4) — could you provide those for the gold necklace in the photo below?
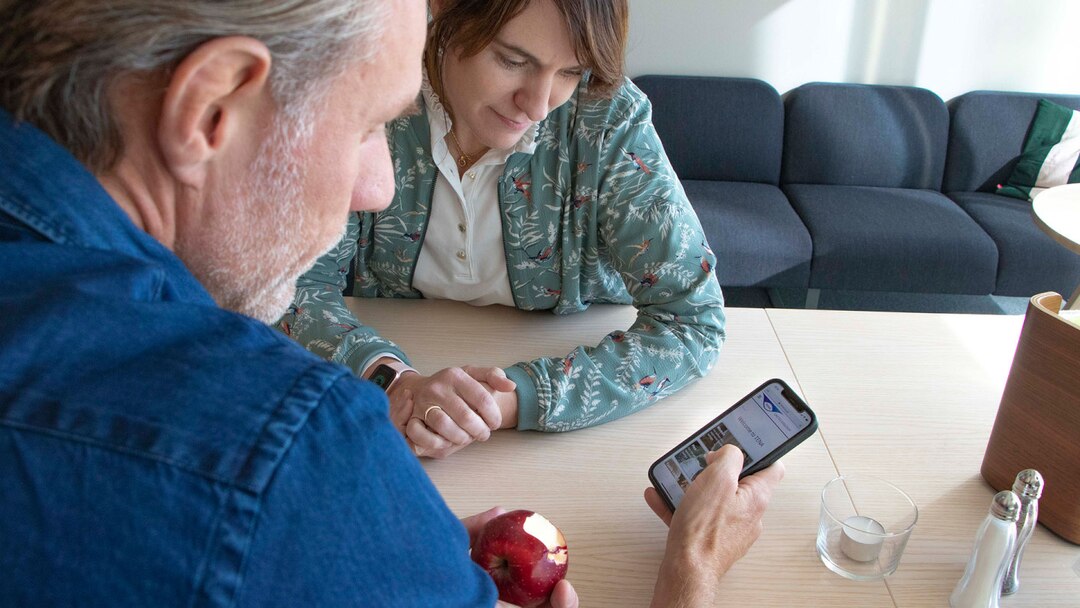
point(464, 160)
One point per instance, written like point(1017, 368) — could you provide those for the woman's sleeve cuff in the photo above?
point(528, 403)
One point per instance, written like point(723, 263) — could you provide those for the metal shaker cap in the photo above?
point(1029, 483)
point(1006, 506)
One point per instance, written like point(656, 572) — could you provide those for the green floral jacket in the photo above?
point(595, 214)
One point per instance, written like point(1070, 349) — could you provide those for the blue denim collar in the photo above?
point(43, 186)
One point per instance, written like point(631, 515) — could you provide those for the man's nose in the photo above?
point(374, 187)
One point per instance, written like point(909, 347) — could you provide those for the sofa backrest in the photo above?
point(986, 136)
point(717, 128)
point(864, 135)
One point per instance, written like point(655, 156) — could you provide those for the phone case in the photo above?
point(765, 461)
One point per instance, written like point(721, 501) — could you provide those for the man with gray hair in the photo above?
point(167, 170)
point(165, 165)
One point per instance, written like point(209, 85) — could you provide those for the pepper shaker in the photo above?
point(1028, 486)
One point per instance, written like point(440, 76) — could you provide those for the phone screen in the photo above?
point(758, 425)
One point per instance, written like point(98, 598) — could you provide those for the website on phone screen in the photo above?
point(758, 426)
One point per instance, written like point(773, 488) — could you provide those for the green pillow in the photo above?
point(1050, 153)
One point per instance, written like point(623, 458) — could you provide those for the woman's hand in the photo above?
point(563, 596)
point(444, 412)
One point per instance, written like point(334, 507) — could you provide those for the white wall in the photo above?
point(947, 46)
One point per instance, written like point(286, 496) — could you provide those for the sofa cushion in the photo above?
point(986, 136)
point(892, 239)
point(1030, 261)
point(1050, 153)
point(864, 135)
point(727, 129)
point(758, 238)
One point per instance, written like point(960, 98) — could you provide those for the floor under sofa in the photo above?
point(758, 297)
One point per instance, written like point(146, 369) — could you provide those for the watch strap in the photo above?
point(386, 374)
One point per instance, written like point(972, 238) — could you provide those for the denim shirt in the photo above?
point(156, 450)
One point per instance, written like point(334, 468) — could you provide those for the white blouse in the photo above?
point(462, 257)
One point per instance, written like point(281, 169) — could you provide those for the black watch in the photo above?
point(386, 374)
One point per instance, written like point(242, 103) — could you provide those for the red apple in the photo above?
point(525, 554)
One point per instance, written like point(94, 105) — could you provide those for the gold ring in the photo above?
point(428, 411)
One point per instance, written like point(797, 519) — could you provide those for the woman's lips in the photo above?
point(513, 125)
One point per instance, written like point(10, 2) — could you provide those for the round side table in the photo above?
point(1057, 212)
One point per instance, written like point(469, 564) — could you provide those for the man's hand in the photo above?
point(718, 520)
point(563, 596)
point(449, 409)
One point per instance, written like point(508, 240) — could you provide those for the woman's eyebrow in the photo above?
point(526, 54)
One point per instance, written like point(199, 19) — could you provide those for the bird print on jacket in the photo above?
point(595, 215)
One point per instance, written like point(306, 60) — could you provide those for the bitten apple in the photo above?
point(525, 554)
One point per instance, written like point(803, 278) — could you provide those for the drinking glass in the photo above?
point(864, 526)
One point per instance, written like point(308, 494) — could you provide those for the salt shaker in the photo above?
point(1028, 486)
point(980, 587)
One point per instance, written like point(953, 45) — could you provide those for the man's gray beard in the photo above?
point(258, 250)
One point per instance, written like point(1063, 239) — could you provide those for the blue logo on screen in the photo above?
point(768, 405)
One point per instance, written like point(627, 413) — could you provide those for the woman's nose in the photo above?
point(534, 98)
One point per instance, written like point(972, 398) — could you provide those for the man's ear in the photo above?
point(217, 96)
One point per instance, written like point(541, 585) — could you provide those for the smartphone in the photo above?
point(765, 425)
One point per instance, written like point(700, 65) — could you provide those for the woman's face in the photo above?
point(528, 70)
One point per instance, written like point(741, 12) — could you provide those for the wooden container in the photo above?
point(1038, 421)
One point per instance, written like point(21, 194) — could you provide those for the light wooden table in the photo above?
point(909, 397)
point(912, 397)
point(1057, 212)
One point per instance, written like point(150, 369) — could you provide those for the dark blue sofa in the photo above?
point(986, 137)
point(724, 138)
point(863, 167)
point(858, 187)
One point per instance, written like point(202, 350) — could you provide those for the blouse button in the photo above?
point(461, 228)
point(472, 174)
point(461, 254)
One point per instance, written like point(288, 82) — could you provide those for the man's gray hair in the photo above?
point(59, 57)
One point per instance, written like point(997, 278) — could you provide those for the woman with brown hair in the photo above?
point(530, 177)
